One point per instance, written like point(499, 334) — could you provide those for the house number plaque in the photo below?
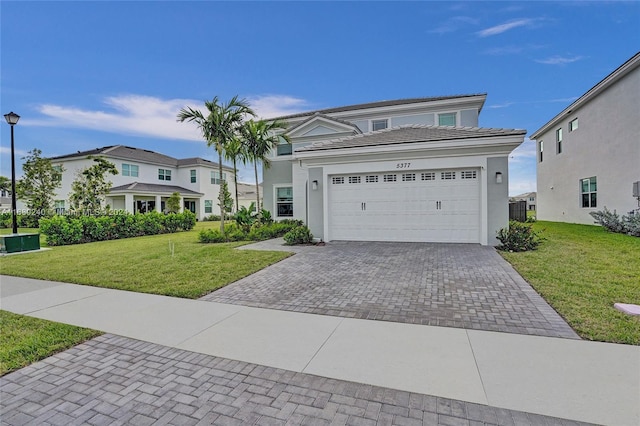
point(403, 165)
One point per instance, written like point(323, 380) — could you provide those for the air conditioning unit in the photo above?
point(636, 189)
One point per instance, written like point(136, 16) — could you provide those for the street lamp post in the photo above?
point(12, 118)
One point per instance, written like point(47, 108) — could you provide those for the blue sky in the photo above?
point(89, 74)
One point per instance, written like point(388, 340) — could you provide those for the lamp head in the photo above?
point(12, 118)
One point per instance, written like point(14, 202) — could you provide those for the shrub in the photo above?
point(518, 237)
point(298, 235)
point(211, 218)
point(609, 220)
point(61, 230)
point(211, 236)
point(632, 224)
point(294, 222)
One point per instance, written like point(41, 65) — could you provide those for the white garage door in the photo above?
point(427, 205)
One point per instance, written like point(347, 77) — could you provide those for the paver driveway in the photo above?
point(453, 285)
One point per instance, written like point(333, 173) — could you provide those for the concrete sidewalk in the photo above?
point(571, 379)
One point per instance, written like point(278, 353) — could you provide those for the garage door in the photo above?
point(427, 205)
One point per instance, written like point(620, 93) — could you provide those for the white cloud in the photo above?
point(151, 116)
point(6, 152)
point(559, 60)
point(524, 153)
point(453, 24)
point(499, 29)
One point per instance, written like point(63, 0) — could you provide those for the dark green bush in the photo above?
point(518, 237)
point(211, 236)
point(70, 229)
point(23, 220)
point(298, 235)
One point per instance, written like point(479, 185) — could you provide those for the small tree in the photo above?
point(5, 184)
point(173, 203)
point(90, 187)
point(227, 206)
point(39, 183)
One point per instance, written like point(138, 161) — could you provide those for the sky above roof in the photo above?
point(88, 74)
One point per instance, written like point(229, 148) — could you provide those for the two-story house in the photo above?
point(404, 170)
point(146, 179)
point(588, 156)
point(529, 198)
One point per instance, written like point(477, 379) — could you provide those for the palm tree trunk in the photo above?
point(258, 209)
point(221, 194)
point(235, 180)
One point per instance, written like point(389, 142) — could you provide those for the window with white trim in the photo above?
point(215, 177)
point(379, 124)
point(589, 192)
point(208, 206)
point(164, 174)
point(337, 180)
point(59, 206)
point(408, 177)
point(447, 175)
point(354, 179)
point(573, 125)
point(468, 174)
point(559, 141)
point(193, 175)
point(129, 170)
point(447, 119)
point(389, 178)
point(371, 179)
point(284, 201)
point(541, 145)
point(428, 176)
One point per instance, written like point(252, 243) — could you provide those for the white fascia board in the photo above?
point(315, 121)
point(507, 143)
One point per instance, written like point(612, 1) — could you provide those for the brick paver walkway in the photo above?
point(115, 380)
point(453, 285)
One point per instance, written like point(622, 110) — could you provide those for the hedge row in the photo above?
point(258, 232)
point(23, 220)
point(64, 230)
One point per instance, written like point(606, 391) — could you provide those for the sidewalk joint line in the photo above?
point(323, 344)
point(211, 326)
point(466, 331)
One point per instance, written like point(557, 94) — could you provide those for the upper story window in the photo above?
point(559, 140)
point(588, 192)
point(447, 119)
point(129, 170)
point(532, 199)
point(58, 168)
point(164, 174)
point(194, 175)
point(541, 145)
point(284, 149)
point(573, 125)
point(379, 124)
point(215, 177)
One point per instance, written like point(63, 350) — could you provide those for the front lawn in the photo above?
point(24, 340)
point(168, 264)
point(582, 270)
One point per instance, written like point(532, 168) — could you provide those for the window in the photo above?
point(371, 179)
point(284, 201)
point(389, 178)
point(573, 125)
point(208, 206)
point(284, 149)
point(193, 176)
point(532, 199)
point(379, 124)
point(559, 140)
point(164, 174)
point(588, 190)
point(428, 176)
point(541, 149)
point(468, 174)
point(59, 206)
point(215, 177)
point(129, 170)
point(58, 168)
point(408, 177)
point(354, 179)
point(337, 180)
point(448, 119)
point(448, 175)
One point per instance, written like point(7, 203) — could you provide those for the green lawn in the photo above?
point(582, 270)
point(145, 264)
point(24, 340)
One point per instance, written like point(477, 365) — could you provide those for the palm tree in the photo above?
point(236, 151)
point(220, 126)
point(260, 138)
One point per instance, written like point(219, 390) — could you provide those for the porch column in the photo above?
point(181, 204)
point(128, 203)
point(159, 203)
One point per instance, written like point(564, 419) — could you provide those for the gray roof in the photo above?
point(139, 154)
point(410, 134)
point(153, 188)
point(377, 104)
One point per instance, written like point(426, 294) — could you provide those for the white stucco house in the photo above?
point(146, 179)
point(588, 156)
point(404, 170)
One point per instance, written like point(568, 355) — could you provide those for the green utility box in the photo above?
point(15, 243)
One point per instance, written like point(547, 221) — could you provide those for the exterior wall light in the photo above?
point(498, 177)
point(314, 185)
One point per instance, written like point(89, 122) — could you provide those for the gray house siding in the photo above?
point(279, 173)
point(469, 118)
point(497, 209)
point(427, 119)
point(605, 145)
point(315, 211)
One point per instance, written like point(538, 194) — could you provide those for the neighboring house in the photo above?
point(588, 156)
point(405, 170)
point(247, 194)
point(529, 197)
point(146, 179)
